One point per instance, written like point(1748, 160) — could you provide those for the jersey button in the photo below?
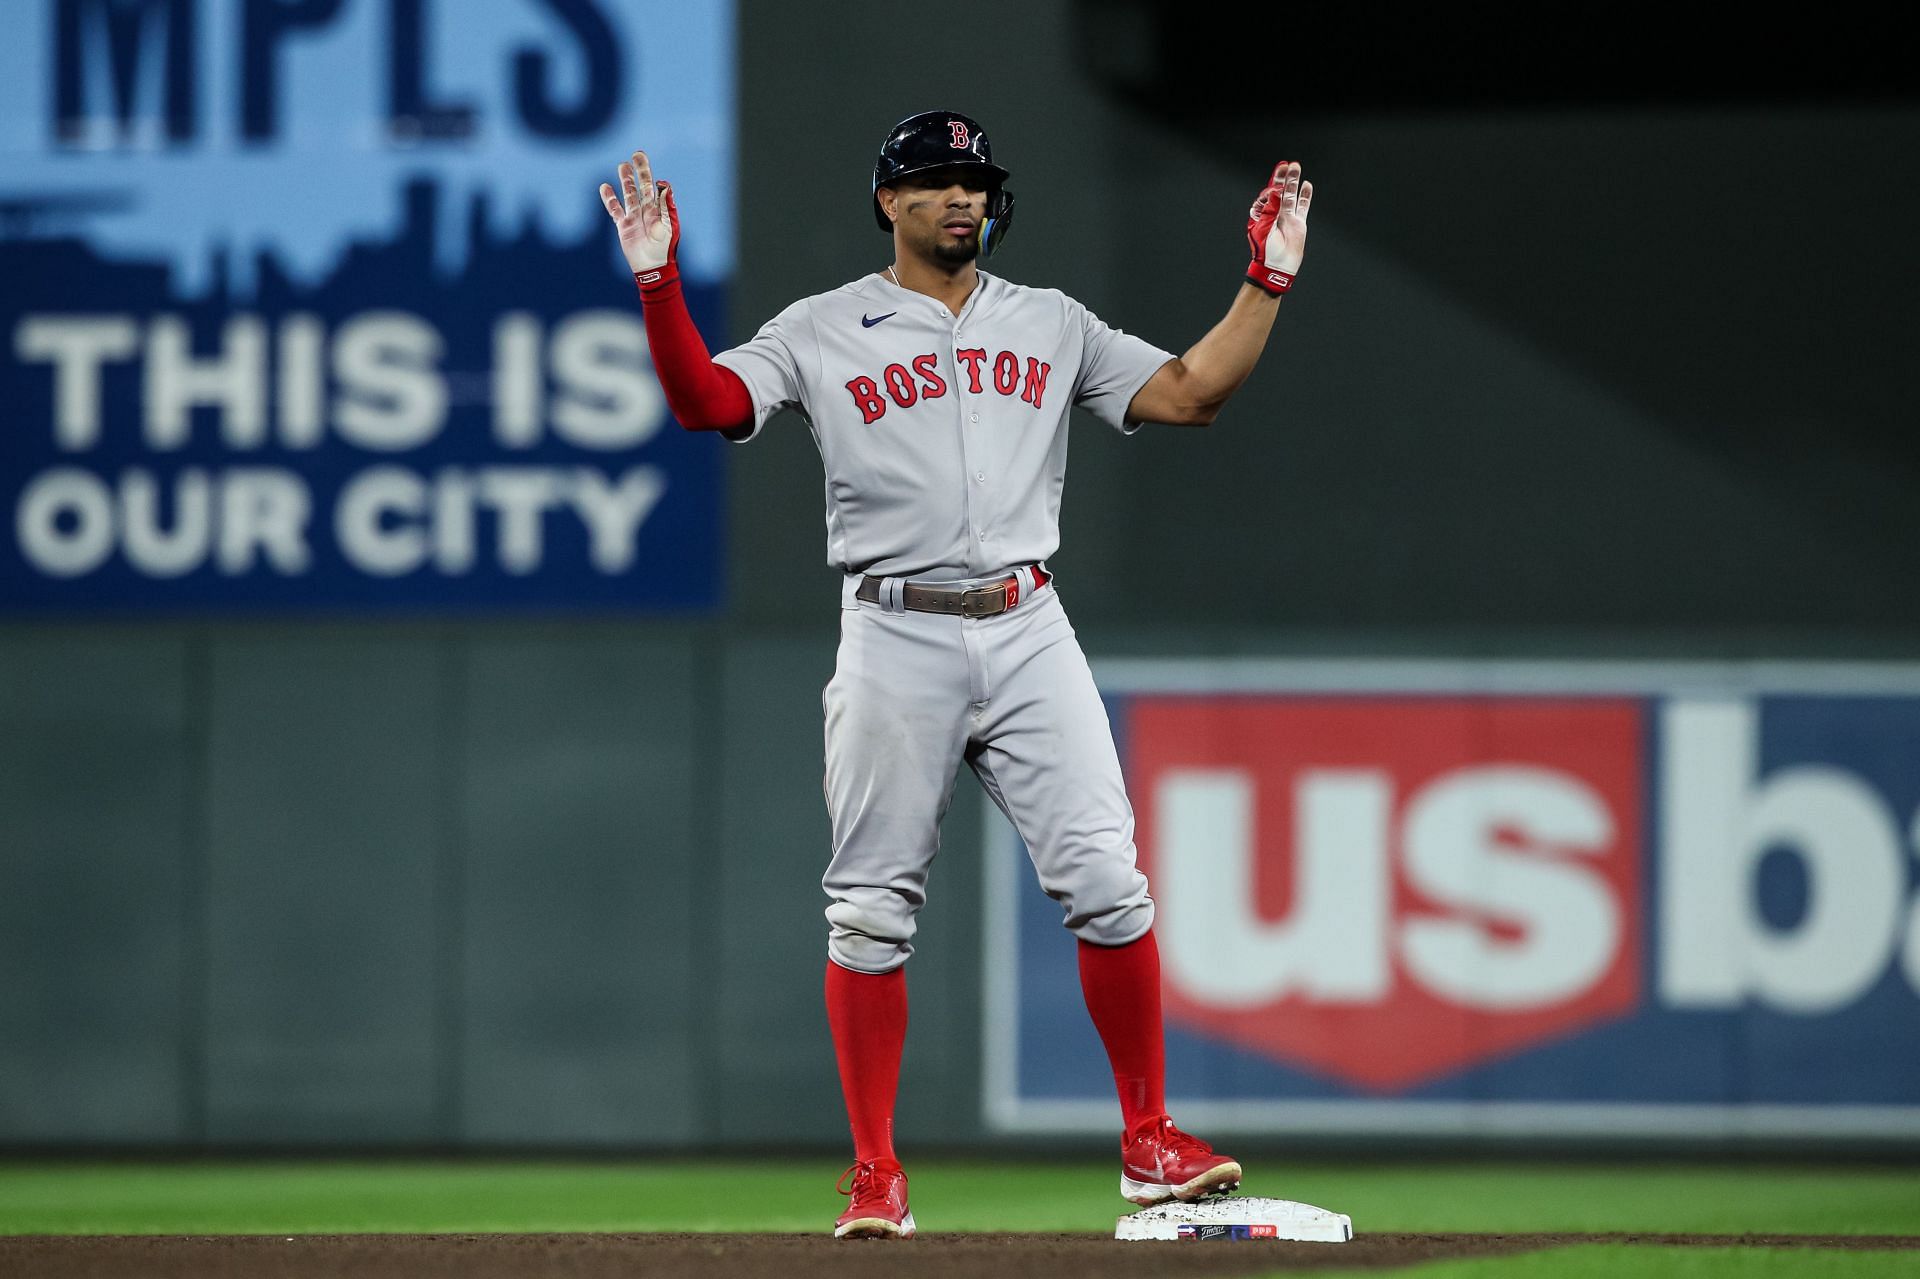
point(981, 476)
point(976, 417)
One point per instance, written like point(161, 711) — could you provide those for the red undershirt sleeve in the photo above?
point(704, 396)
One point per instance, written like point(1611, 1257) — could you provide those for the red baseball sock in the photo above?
point(868, 1013)
point(1122, 989)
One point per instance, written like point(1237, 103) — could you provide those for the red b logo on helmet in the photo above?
point(959, 134)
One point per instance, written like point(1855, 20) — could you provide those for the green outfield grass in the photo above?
point(271, 1197)
point(1621, 1261)
point(274, 1197)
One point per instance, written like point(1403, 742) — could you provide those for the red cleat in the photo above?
point(879, 1207)
point(1158, 1162)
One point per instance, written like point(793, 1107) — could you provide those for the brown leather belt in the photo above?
point(990, 600)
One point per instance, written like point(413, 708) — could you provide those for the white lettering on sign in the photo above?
point(518, 392)
point(453, 536)
point(376, 521)
point(64, 522)
point(68, 522)
point(1495, 843)
point(520, 497)
point(1720, 819)
point(376, 381)
point(234, 381)
point(373, 383)
point(608, 398)
point(1504, 844)
point(1333, 946)
point(391, 521)
point(614, 513)
point(263, 512)
point(151, 547)
point(388, 520)
point(77, 346)
point(392, 395)
point(302, 384)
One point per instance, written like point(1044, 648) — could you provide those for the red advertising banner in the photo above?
point(1554, 898)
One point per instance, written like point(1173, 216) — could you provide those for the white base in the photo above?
point(1236, 1219)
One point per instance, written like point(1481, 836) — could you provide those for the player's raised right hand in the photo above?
point(1277, 229)
point(649, 225)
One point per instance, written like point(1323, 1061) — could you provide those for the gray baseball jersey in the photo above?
point(944, 439)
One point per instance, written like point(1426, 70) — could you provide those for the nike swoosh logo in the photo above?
point(865, 323)
point(1158, 1172)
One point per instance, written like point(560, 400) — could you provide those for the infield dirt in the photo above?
point(710, 1256)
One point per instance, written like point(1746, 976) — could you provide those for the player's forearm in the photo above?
point(1216, 366)
point(703, 395)
point(1199, 383)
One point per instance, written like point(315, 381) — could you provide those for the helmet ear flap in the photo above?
point(993, 231)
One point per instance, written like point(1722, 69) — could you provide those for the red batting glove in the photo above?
point(1277, 230)
point(654, 279)
point(649, 225)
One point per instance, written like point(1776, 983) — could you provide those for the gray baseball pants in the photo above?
point(915, 694)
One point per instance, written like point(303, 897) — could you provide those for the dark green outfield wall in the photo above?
point(383, 885)
point(1548, 376)
point(1562, 383)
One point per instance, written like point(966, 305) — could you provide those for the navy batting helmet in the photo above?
point(944, 140)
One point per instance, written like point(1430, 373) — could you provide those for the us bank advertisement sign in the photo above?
point(1456, 898)
point(312, 305)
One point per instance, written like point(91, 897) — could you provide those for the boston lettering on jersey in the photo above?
point(900, 386)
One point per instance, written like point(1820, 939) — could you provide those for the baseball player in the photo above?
point(938, 395)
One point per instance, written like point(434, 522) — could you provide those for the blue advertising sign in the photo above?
point(1555, 899)
point(312, 305)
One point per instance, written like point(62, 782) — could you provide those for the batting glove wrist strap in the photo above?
point(1265, 277)
point(656, 284)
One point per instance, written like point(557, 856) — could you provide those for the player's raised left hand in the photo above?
point(649, 224)
point(1277, 229)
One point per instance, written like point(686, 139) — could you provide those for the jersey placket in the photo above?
point(975, 475)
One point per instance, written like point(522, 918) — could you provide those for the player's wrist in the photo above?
point(657, 283)
point(1267, 279)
